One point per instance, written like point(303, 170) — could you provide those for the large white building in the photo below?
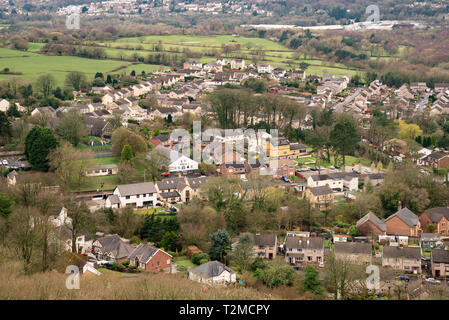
point(178, 161)
point(138, 195)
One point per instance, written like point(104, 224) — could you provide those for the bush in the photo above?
point(197, 258)
point(275, 275)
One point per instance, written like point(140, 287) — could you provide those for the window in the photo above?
point(128, 197)
point(168, 261)
point(138, 196)
point(158, 263)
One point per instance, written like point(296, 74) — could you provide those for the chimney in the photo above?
point(399, 205)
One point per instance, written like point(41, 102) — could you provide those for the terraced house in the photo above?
point(300, 250)
point(403, 223)
point(354, 251)
point(407, 259)
point(438, 218)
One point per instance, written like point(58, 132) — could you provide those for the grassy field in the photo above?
point(32, 65)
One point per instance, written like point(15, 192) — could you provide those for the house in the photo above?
point(282, 168)
point(45, 111)
point(438, 218)
point(298, 74)
point(151, 259)
point(112, 248)
point(237, 64)
point(406, 259)
point(354, 251)
point(107, 99)
point(212, 272)
point(441, 87)
point(299, 250)
point(429, 240)
point(264, 68)
point(436, 160)
point(138, 195)
point(265, 245)
point(11, 178)
point(337, 181)
point(340, 238)
point(62, 236)
point(192, 65)
point(439, 263)
point(179, 163)
point(403, 223)
point(418, 86)
point(322, 198)
point(4, 105)
point(102, 170)
point(370, 225)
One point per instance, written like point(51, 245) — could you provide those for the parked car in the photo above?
point(403, 278)
point(433, 281)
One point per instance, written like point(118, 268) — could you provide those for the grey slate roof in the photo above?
point(374, 219)
point(195, 183)
point(440, 256)
point(319, 191)
point(353, 247)
point(405, 252)
point(136, 188)
point(436, 214)
point(304, 243)
point(407, 216)
point(114, 245)
point(211, 269)
point(143, 253)
point(267, 239)
point(114, 199)
point(171, 183)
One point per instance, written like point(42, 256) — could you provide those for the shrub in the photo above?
point(197, 258)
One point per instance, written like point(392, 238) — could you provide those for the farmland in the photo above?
point(31, 65)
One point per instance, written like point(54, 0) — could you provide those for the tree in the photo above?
point(122, 136)
point(220, 243)
point(23, 237)
point(83, 160)
point(312, 282)
point(75, 80)
point(353, 231)
point(127, 153)
point(13, 111)
point(126, 222)
point(38, 144)
point(157, 163)
point(276, 274)
point(170, 241)
point(207, 169)
point(5, 205)
point(244, 252)
point(344, 137)
point(125, 172)
point(45, 84)
point(61, 161)
point(79, 213)
point(71, 127)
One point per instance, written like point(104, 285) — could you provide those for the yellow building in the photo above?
point(321, 198)
point(281, 148)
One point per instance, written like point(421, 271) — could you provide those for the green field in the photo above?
point(32, 65)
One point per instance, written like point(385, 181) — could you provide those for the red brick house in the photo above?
point(150, 259)
point(436, 160)
point(438, 217)
point(370, 225)
point(403, 223)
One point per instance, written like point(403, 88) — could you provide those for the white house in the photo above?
point(4, 105)
point(178, 161)
point(137, 195)
point(264, 68)
point(213, 272)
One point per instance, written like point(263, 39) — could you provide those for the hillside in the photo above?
point(111, 286)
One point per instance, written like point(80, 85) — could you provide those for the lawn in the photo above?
point(184, 261)
point(107, 160)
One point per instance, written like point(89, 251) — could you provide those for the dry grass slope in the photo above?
point(111, 286)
